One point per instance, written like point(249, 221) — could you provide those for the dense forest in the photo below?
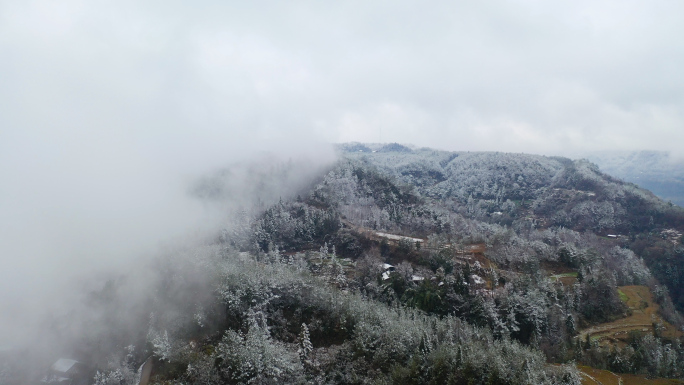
point(399, 265)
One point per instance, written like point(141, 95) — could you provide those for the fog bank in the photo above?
point(77, 213)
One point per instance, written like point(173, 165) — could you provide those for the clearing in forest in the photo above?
point(568, 279)
point(560, 272)
point(644, 313)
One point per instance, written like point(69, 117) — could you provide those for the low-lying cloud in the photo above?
point(111, 110)
point(77, 214)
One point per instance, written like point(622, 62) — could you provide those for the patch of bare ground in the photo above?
point(644, 314)
point(591, 376)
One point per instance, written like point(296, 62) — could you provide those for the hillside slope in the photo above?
point(548, 192)
point(400, 265)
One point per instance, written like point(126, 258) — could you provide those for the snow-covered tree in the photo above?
point(305, 349)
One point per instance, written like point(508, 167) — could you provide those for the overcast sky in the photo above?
point(531, 76)
point(106, 106)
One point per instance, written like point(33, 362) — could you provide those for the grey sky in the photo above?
point(527, 76)
point(107, 107)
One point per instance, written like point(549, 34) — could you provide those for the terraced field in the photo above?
point(591, 376)
point(644, 312)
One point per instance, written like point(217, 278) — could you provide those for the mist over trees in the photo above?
point(400, 265)
point(658, 171)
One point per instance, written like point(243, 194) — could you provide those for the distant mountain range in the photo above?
point(657, 171)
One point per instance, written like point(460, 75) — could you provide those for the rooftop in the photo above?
point(63, 365)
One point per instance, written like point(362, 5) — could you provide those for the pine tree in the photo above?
point(570, 325)
point(305, 347)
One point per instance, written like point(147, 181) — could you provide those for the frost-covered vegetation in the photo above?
point(527, 191)
point(510, 257)
point(280, 323)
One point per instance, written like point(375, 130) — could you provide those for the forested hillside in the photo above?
point(414, 266)
point(549, 193)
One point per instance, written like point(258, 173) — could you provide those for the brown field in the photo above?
point(479, 256)
point(568, 281)
point(591, 376)
point(644, 311)
point(471, 254)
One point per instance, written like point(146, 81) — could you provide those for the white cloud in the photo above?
point(112, 103)
point(582, 70)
